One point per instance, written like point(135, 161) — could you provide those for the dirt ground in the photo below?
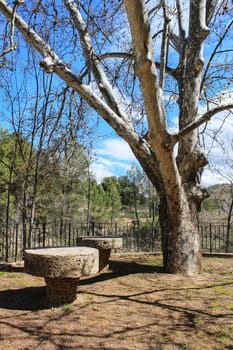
point(133, 306)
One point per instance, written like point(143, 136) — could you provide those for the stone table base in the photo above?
point(104, 255)
point(61, 291)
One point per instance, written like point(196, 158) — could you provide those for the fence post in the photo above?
point(43, 234)
point(115, 233)
point(227, 246)
point(7, 243)
point(92, 228)
point(211, 249)
point(69, 234)
point(16, 240)
point(24, 236)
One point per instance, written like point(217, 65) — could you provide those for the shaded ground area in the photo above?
point(134, 306)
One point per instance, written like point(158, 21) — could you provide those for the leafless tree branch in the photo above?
point(215, 51)
point(164, 46)
point(13, 45)
point(203, 119)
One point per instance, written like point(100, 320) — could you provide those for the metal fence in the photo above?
point(214, 237)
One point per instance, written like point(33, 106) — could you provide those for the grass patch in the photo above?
point(223, 290)
point(152, 261)
point(67, 308)
point(3, 273)
point(186, 346)
point(229, 307)
point(223, 336)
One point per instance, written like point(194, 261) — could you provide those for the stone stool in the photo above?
point(61, 268)
point(103, 244)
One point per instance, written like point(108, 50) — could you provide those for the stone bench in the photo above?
point(61, 268)
point(104, 244)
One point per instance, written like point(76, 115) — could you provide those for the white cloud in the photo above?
point(100, 171)
point(211, 177)
point(218, 147)
point(116, 148)
point(113, 158)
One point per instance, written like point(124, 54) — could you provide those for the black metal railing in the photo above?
point(213, 237)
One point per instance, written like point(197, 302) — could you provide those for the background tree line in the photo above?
point(40, 185)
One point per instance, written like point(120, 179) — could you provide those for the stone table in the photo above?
point(104, 244)
point(61, 268)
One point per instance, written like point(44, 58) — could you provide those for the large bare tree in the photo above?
point(132, 81)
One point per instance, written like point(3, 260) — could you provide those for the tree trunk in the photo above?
point(179, 207)
point(180, 239)
point(229, 226)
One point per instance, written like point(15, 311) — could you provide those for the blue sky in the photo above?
point(112, 155)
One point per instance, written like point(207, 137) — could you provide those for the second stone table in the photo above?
point(104, 244)
point(61, 268)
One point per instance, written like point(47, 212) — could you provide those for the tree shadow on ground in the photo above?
point(29, 298)
point(8, 267)
point(34, 298)
point(121, 268)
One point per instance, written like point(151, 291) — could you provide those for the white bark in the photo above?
point(145, 67)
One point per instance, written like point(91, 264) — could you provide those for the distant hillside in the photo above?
point(216, 208)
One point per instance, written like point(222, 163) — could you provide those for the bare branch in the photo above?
point(164, 46)
point(203, 119)
point(30, 36)
point(124, 55)
point(180, 16)
point(210, 8)
point(96, 24)
point(178, 41)
point(156, 34)
point(93, 59)
point(131, 56)
point(215, 51)
point(13, 45)
point(55, 64)
point(224, 51)
point(154, 9)
point(168, 70)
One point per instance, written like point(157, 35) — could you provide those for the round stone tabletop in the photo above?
point(105, 242)
point(63, 262)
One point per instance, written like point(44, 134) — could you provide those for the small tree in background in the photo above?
point(113, 199)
